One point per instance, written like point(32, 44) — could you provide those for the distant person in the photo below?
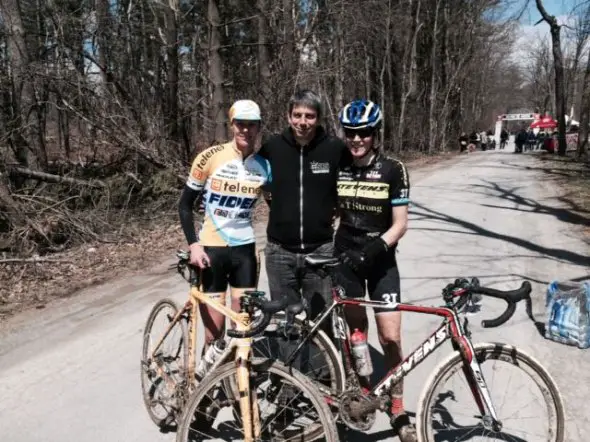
point(520, 140)
point(503, 138)
point(473, 141)
point(541, 136)
point(463, 142)
point(531, 140)
point(491, 140)
point(484, 141)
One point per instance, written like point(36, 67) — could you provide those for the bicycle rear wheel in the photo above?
point(290, 407)
point(163, 372)
point(544, 423)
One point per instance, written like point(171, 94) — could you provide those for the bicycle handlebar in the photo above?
point(268, 308)
point(512, 297)
point(463, 289)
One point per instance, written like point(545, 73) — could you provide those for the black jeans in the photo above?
point(289, 277)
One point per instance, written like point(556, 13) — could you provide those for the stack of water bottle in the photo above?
point(568, 308)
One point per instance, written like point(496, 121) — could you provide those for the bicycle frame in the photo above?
point(451, 328)
point(242, 346)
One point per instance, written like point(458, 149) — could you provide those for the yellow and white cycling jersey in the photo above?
point(230, 187)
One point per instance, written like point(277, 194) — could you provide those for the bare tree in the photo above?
point(560, 98)
point(216, 72)
point(130, 90)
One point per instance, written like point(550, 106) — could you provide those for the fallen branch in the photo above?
point(55, 178)
point(32, 260)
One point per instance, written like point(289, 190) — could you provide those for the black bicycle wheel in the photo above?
point(290, 407)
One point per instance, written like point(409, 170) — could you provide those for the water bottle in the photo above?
point(569, 319)
point(551, 292)
point(553, 326)
point(361, 353)
point(215, 350)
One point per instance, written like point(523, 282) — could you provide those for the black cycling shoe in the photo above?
point(405, 430)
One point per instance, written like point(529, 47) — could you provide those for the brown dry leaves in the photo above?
point(33, 284)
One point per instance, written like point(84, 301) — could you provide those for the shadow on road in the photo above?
point(348, 435)
point(472, 228)
point(529, 205)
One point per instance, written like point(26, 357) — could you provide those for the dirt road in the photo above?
point(71, 372)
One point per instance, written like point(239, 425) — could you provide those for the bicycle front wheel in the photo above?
point(163, 369)
point(447, 410)
point(289, 407)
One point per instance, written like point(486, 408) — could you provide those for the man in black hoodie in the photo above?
point(304, 163)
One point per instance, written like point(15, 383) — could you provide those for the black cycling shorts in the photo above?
point(382, 281)
point(235, 265)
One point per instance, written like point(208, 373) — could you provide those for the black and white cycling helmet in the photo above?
point(360, 114)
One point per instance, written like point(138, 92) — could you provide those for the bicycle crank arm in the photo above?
point(360, 409)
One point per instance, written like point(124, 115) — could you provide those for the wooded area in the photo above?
point(104, 103)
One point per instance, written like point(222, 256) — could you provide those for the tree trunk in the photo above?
point(339, 59)
point(368, 90)
point(409, 75)
point(263, 56)
point(216, 73)
point(22, 96)
point(171, 117)
point(386, 62)
point(584, 112)
point(432, 121)
point(560, 104)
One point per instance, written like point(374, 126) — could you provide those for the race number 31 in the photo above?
point(391, 299)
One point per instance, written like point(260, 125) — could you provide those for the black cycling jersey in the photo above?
point(366, 196)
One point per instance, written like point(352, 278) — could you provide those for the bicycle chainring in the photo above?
point(357, 411)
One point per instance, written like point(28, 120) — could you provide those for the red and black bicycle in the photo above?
point(468, 377)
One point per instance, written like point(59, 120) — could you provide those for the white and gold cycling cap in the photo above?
point(244, 110)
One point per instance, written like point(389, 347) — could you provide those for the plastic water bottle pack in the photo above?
point(568, 313)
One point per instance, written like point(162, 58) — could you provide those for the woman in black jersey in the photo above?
point(373, 198)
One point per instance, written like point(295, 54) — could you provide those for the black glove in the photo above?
point(355, 260)
point(373, 250)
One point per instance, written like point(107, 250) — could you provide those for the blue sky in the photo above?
point(528, 35)
point(553, 7)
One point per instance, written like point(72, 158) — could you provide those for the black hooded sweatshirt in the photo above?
point(303, 189)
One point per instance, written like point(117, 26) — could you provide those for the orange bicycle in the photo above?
point(260, 393)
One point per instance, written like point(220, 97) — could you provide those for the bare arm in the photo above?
point(398, 227)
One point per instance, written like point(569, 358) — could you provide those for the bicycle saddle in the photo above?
point(321, 260)
point(294, 309)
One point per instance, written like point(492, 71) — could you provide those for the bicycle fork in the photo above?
point(248, 404)
point(477, 384)
point(155, 355)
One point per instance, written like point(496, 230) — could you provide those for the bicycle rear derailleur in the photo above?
point(357, 410)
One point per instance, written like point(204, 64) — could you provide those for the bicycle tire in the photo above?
point(147, 385)
point(321, 341)
point(493, 351)
point(325, 424)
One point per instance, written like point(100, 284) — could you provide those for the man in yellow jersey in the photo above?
point(228, 177)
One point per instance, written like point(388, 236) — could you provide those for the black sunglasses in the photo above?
point(362, 133)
